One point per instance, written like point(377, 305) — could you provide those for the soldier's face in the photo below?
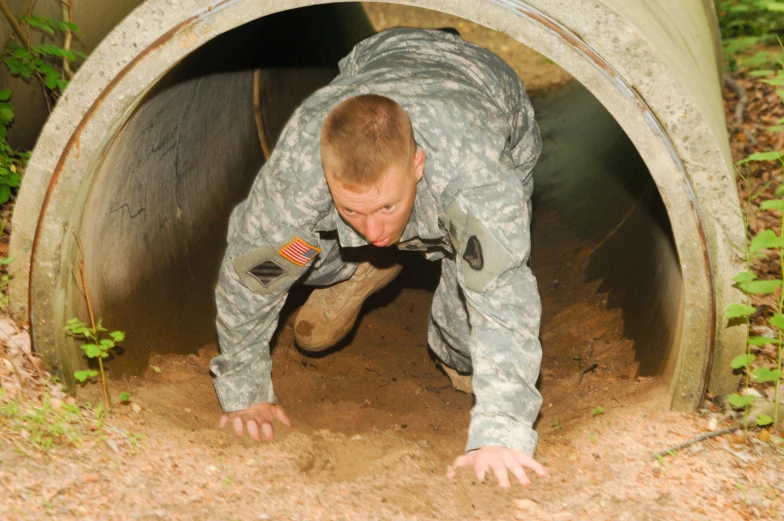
point(380, 212)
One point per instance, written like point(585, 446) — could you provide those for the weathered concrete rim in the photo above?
point(656, 127)
point(103, 91)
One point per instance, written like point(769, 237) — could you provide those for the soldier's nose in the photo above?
point(373, 230)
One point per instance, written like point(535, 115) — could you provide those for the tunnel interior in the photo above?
point(155, 217)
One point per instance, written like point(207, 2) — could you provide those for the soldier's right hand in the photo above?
point(256, 418)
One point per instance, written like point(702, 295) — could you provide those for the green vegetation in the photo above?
point(51, 422)
point(4, 261)
point(49, 64)
point(750, 284)
point(11, 161)
point(776, 79)
point(96, 346)
point(42, 60)
point(97, 341)
point(749, 31)
point(44, 425)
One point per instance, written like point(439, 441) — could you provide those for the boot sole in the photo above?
point(340, 335)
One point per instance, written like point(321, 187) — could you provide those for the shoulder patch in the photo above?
point(269, 268)
point(267, 272)
point(299, 252)
point(473, 254)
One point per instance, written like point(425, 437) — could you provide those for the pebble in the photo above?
point(55, 403)
point(713, 423)
point(135, 407)
point(751, 391)
point(526, 504)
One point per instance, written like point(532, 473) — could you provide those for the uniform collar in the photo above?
point(423, 222)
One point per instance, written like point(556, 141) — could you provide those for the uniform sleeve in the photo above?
point(268, 250)
point(504, 309)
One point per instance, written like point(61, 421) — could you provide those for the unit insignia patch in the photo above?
point(267, 272)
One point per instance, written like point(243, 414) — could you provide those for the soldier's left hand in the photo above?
point(501, 461)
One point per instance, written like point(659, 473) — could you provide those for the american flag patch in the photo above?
point(299, 252)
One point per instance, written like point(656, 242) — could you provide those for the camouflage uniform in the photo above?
point(476, 125)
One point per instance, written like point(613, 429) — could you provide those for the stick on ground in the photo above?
point(743, 97)
point(701, 437)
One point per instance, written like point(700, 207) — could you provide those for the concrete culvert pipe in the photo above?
point(165, 126)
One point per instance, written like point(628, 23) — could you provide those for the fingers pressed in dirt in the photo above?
point(501, 461)
point(257, 419)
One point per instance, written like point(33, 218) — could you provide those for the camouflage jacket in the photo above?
point(472, 117)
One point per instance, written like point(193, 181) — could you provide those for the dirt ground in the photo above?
point(376, 423)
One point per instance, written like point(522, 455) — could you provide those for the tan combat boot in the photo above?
point(329, 313)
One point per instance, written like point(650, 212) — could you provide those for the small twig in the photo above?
point(420, 443)
point(76, 279)
point(743, 97)
point(587, 370)
point(26, 41)
point(68, 39)
point(14, 24)
point(701, 437)
point(104, 387)
point(374, 371)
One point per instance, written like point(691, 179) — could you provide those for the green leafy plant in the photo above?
point(33, 61)
point(775, 78)
point(97, 341)
point(49, 63)
point(11, 161)
point(748, 27)
point(749, 284)
point(4, 261)
point(97, 345)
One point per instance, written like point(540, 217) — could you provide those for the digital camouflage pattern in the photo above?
point(476, 125)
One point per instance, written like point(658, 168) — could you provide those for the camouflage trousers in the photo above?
point(448, 325)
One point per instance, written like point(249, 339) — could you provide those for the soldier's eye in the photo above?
point(389, 208)
point(348, 211)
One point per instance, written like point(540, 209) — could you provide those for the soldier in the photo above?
point(422, 142)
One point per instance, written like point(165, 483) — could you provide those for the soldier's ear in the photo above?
point(419, 164)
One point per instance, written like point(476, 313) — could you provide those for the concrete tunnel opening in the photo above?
point(154, 218)
point(632, 233)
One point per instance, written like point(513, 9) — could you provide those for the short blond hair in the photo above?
point(363, 137)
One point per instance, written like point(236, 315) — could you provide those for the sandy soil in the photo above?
point(376, 423)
